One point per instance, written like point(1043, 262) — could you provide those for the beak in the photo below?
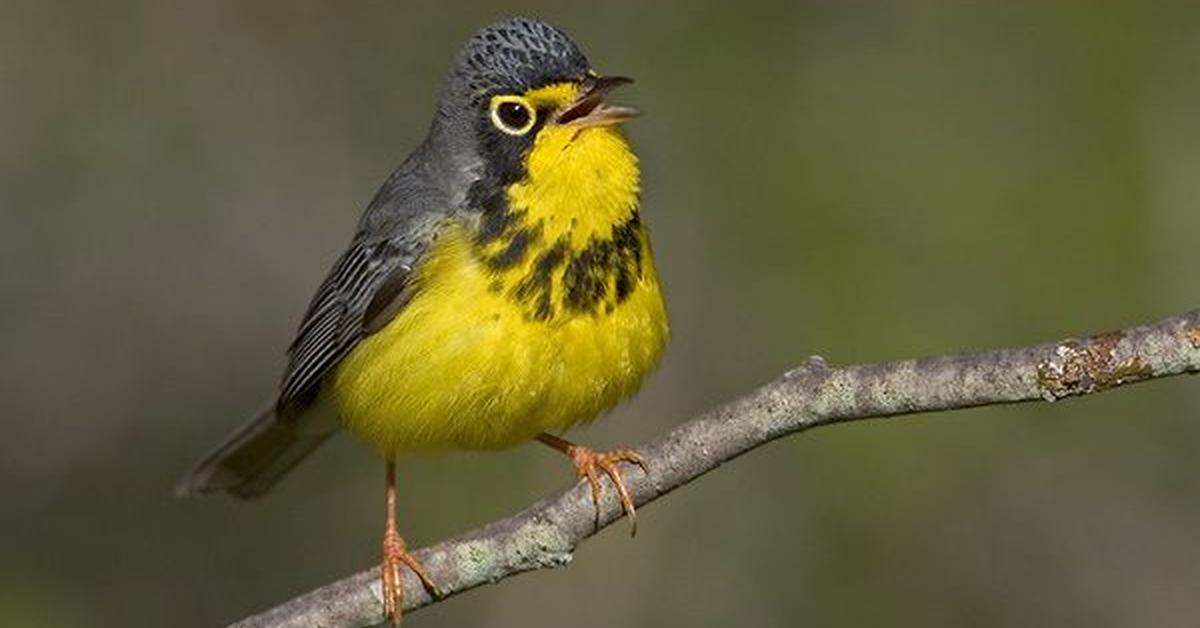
point(589, 109)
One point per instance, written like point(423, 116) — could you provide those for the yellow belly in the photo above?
point(463, 366)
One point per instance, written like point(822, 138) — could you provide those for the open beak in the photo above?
point(589, 109)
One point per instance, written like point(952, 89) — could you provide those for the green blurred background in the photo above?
point(863, 181)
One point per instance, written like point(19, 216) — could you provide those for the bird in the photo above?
point(499, 288)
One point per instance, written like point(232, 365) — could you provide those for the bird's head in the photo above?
point(519, 88)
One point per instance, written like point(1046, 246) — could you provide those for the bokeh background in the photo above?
point(863, 181)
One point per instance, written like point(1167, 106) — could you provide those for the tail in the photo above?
point(259, 454)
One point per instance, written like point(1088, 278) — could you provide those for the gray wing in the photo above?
point(368, 286)
point(372, 280)
point(368, 283)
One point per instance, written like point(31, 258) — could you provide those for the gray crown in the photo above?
point(514, 56)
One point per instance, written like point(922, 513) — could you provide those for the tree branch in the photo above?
point(546, 533)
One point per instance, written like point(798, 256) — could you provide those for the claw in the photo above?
point(589, 464)
point(389, 571)
point(395, 554)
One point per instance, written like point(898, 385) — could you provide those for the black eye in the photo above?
point(512, 116)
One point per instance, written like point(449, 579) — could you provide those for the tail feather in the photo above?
point(258, 455)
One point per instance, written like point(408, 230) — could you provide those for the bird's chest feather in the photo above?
point(544, 313)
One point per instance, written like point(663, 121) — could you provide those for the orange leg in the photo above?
point(395, 553)
point(589, 464)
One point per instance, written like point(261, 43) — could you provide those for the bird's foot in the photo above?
point(396, 554)
point(590, 464)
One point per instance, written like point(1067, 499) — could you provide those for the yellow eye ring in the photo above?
point(513, 114)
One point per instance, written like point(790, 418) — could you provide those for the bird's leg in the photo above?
point(589, 464)
point(395, 553)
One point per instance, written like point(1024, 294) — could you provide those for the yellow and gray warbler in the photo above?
point(499, 287)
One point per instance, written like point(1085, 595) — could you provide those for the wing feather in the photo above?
point(367, 286)
point(337, 318)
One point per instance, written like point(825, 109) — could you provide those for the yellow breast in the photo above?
point(542, 320)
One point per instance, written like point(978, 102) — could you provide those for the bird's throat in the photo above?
point(579, 183)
